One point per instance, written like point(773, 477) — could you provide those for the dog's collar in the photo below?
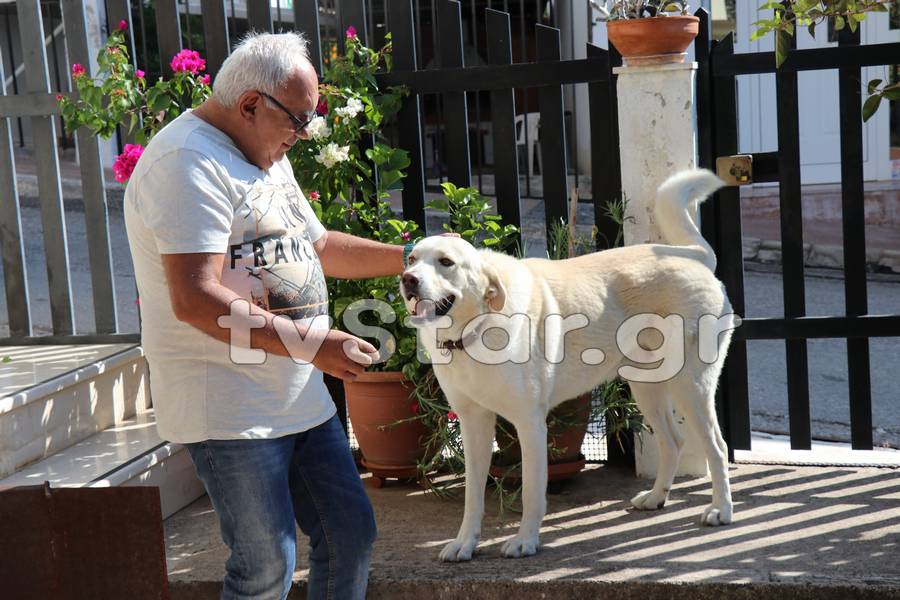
point(448, 346)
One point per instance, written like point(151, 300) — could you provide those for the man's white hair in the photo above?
point(261, 61)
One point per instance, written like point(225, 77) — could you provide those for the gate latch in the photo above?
point(735, 170)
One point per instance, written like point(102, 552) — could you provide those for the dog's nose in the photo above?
point(410, 281)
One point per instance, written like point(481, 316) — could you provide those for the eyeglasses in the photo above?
point(299, 124)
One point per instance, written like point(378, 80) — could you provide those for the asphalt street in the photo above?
point(829, 397)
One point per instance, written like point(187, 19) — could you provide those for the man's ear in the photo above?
point(494, 292)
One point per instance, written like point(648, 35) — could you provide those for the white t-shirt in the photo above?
point(194, 191)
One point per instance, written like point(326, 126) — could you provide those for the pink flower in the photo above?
point(138, 73)
point(405, 236)
point(452, 416)
point(188, 60)
point(123, 25)
point(351, 33)
point(78, 70)
point(314, 196)
point(125, 162)
point(205, 79)
point(59, 97)
point(322, 106)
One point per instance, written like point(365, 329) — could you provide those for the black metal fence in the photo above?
point(717, 111)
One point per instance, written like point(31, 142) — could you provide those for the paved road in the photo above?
point(768, 387)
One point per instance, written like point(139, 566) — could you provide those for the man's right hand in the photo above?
point(344, 356)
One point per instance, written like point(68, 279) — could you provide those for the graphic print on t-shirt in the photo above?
point(276, 266)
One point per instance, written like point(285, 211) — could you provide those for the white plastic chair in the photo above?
point(533, 120)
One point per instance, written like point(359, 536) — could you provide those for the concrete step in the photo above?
point(53, 397)
point(124, 455)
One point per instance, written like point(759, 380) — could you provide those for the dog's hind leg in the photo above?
point(532, 433)
point(695, 399)
point(477, 426)
point(654, 401)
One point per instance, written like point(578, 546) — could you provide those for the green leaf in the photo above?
point(782, 47)
point(871, 106)
point(892, 93)
point(839, 23)
point(811, 28)
point(873, 85)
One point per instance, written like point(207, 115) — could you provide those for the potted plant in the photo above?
point(348, 170)
point(649, 32)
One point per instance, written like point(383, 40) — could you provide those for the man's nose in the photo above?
point(410, 281)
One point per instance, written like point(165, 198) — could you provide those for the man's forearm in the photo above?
point(349, 257)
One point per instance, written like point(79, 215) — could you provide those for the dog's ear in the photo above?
point(494, 292)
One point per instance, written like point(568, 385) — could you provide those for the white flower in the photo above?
point(318, 129)
point(331, 154)
point(353, 108)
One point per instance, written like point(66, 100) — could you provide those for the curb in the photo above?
point(827, 256)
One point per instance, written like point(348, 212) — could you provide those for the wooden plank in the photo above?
point(12, 249)
point(96, 216)
point(259, 16)
point(735, 405)
point(47, 165)
point(811, 59)
point(61, 340)
point(306, 19)
point(553, 134)
point(37, 104)
point(792, 253)
point(854, 234)
point(807, 328)
point(168, 33)
point(600, 105)
point(215, 33)
point(499, 77)
point(409, 119)
point(503, 115)
point(455, 131)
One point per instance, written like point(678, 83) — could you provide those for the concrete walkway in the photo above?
point(799, 532)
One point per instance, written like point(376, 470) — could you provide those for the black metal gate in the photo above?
point(717, 115)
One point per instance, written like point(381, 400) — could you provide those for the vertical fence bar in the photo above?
point(503, 115)
point(456, 117)
point(734, 413)
point(96, 215)
point(854, 226)
point(601, 106)
point(259, 16)
point(168, 33)
point(705, 123)
point(306, 19)
point(12, 250)
point(553, 134)
point(215, 33)
point(409, 119)
point(353, 12)
point(792, 252)
point(47, 162)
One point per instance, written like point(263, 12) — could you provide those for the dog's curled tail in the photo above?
point(676, 200)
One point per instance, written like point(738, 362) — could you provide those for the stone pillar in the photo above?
point(657, 137)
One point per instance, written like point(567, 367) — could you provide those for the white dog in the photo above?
point(525, 335)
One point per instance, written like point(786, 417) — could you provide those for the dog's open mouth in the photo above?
point(425, 308)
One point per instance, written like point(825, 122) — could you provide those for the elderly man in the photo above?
point(223, 239)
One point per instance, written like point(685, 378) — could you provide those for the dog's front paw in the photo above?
point(716, 515)
point(457, 551)
point(650, 500)
point(519, 546)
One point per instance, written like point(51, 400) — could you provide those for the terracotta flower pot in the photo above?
point(567, 434)
point(375, 402)
point(651, 41)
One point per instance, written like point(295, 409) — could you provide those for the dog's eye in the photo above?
point(446, 262)
point(410, 260)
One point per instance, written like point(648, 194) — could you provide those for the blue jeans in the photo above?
point(258, 487)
